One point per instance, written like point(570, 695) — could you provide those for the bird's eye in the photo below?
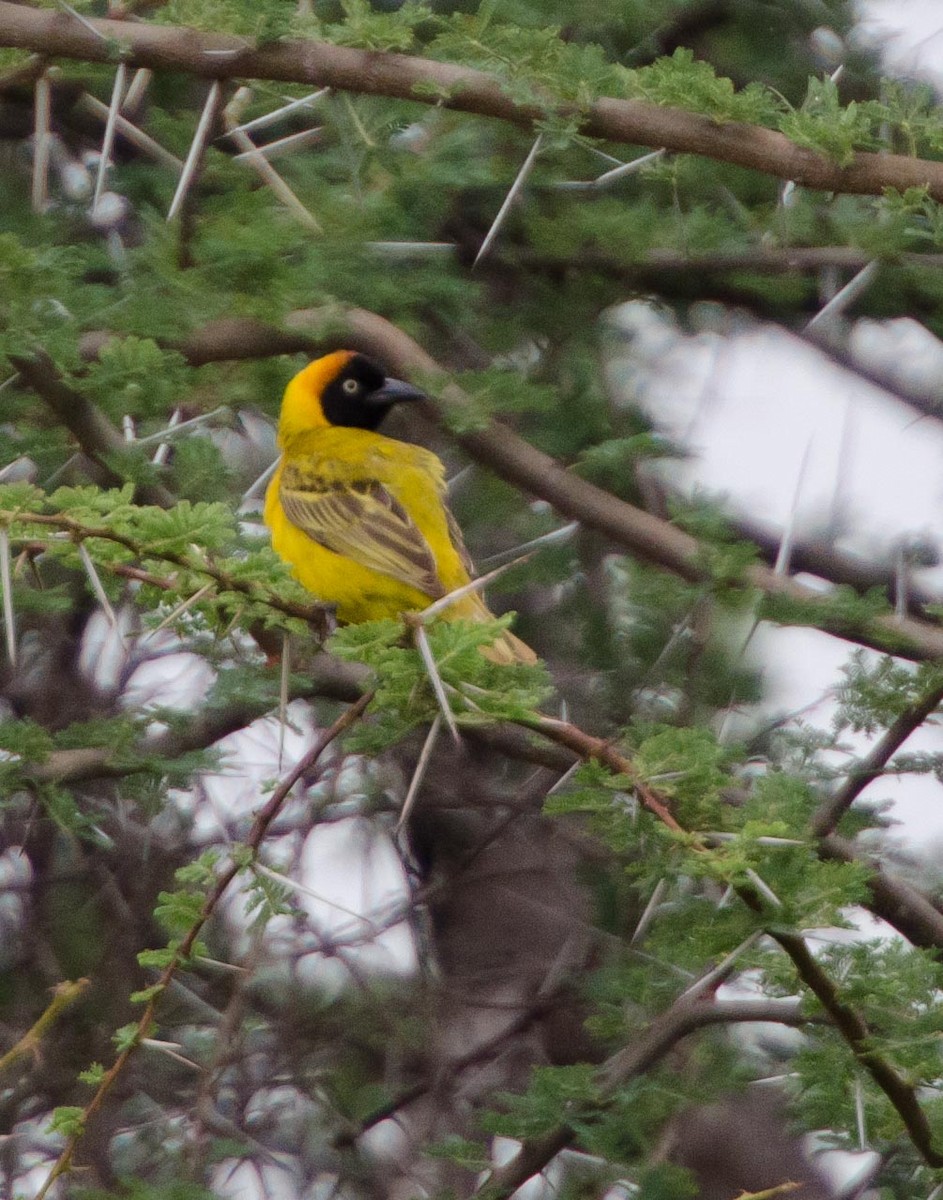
point(351, 387)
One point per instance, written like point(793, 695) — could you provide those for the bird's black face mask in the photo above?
point(361, 395)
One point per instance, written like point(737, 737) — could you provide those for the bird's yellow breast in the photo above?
point(414, 477)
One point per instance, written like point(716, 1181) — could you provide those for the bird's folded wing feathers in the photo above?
point(364, 522)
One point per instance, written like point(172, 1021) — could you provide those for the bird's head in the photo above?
point(342, 388)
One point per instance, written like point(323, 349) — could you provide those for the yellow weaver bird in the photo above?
point(362, 517)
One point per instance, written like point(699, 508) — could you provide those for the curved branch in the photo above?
point(635, 122)
point(834, 807)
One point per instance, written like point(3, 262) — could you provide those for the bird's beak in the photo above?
point(394, 391)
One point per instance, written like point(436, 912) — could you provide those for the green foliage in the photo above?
point(548, 1102)
point(266, 897)
point(369, 29)
point(685, 82)
point(479, 691)
point(827, 126)
point(133, 377)
point(872, 696)
point(533, 63)
point(464, 1153)
point(68, 1120)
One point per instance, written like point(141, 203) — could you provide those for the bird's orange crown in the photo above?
point(301, 406)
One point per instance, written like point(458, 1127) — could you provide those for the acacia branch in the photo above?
point(853, 1028)
point(634, 122)
point(834, 807)
point(310, 331)
point(183, 951)
point(314, 614)
point(647, 1049)
point(849, 1022)
point(904, 907)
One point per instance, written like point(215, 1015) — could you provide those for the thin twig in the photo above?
point(64, 995)
point(834, 807)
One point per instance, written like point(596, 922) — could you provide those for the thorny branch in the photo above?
point(647, 1049)
point(313, 613)
point(534, 1155)
point(635, 122)
point(833, 808)
point(183, 951)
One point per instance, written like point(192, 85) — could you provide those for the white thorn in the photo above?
point(196, 149)
point(706, 982)
point(178, 611)
point(509, 199)
point(475, 585)
point(136, 136)
point(848, 294)
point(418, 774)
point(117, 93)
point(137, 87)
point(646, 918)
point(82, 21)
point(160, 454)
point(6, 584)
point(563, 534)
point(619, 172)
point(41, 143)
point(284, 680)
point(432, 670)
point(100, 594)
point(278, 113)
point(254, 488)
point(783, 557)
point(285, 145)
point(175, 428)
point(859, 1116)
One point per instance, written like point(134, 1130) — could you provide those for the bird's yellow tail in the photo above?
point(506, 648)
point(509, 649)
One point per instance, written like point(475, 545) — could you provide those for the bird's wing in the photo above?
point(364, 522)
point(455, 533)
